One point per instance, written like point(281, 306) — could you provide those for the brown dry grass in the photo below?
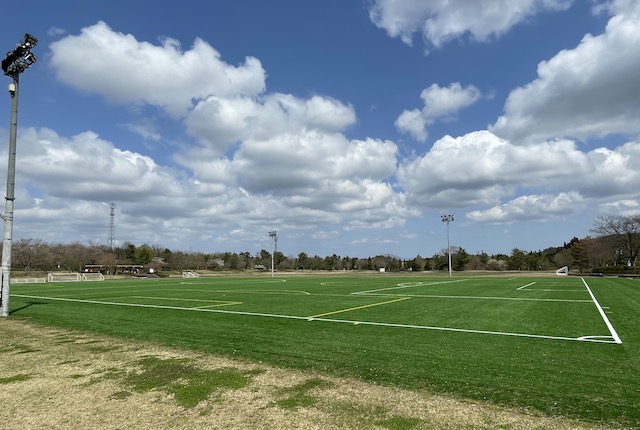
point(56, 379)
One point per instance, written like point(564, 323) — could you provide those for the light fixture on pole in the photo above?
point(274, 236)
point(16, 62)
point(448, 219)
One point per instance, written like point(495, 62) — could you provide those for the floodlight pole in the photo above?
point(274, 236)
point(448, 219)
point(15, 63)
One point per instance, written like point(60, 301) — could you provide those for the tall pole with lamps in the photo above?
point(16, 62)
point(274, 236)
point(448, 219)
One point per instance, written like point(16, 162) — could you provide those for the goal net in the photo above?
point(28, 280)
point(190, 275)
point(92, 276)
point(64, 277)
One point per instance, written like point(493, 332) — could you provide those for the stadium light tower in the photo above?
point(16, 62)
point(274, 236)
point(448, 219)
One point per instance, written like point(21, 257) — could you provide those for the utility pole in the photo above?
point(16, 62)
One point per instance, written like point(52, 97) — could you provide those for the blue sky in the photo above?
point(349, 127)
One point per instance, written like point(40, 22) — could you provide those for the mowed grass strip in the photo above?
point(578, 379)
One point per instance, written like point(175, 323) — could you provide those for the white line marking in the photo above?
point(555, 291)
point(434, 296)
point(612, 330)
point(409, 285)
point(595, 339)
point(525, 286)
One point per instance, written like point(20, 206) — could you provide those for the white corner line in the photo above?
point(612, 330)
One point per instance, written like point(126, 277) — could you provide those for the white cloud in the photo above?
point(318, 170)
point(590, 91)
point(414, 123)
point(480, 169)
point(124, 70)
point(264, 155)
point(440, 21)
point(530, 207)
point(146, 128)
point(87, 167)
point(621, 207)
point(439, 103)
point(218, 122)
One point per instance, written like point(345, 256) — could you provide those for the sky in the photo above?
point(349, 127)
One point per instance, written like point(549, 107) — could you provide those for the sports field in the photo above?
point(562, 345)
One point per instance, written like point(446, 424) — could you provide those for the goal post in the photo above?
point(92, 276)
point(64, 277)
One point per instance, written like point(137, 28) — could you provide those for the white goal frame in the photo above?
point(189, 274)
point(28, 280)
point(92, 276)
point(64, 277)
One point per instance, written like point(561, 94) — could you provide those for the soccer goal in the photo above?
point(28, 280)
point(563, 271)
point(187, 274)
point(92, 276)
point(64, 277)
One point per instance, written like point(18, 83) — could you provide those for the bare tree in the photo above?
point(31, 254)
point(624, 232)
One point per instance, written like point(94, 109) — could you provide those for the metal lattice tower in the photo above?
point(112, 226)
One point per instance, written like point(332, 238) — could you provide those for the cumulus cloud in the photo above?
point(218, 122)
point(439, 103)
point(590, 91)
point(257, 158)
point(481, 169)
point(628, 207)
point(530, 207)
point(88, 167)
point(322, 180)
point(440, 21)
point(125, 70)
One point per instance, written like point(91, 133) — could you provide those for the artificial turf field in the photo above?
point(563, 345)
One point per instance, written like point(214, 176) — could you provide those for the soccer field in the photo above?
point(563, 345)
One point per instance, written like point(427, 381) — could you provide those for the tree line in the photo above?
point(614, 247)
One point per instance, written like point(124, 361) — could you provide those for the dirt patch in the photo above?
point(57, 379)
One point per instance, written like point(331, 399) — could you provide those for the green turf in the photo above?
point(514, 340)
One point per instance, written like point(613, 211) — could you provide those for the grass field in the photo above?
point(561, 345)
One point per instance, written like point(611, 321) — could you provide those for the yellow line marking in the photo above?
point(358, 307)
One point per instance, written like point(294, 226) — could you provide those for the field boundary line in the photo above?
point(412, 285)
point(524, 299)
point(612, 330)
point(358, 307)
point(593, 339)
